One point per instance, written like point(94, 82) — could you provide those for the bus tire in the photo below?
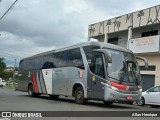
point(108, 103)
point(31, 92)
point(79, 95)
point(54, 96)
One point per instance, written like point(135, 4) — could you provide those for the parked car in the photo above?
point(150, 97)
point(2, 83)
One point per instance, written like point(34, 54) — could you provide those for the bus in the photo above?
point(86, 71)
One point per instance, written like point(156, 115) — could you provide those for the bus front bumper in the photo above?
point(113, 95)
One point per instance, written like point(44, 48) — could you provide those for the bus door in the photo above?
point(97, 75)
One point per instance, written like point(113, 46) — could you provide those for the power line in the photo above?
point(8, 10)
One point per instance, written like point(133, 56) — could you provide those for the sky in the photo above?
point(35, 26)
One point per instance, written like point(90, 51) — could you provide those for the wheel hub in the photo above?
point(79, 95)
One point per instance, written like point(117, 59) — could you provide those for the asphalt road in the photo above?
point(19, 101)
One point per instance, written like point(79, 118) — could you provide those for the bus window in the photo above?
point(97, 66)
point(48, 62)
point(75, 58)
point(22, 65)
point(37, 63)
point(29, 64)
point(60, 59)
point(88, 51)
point(47, 65)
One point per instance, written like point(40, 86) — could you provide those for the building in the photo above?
point(9, 69)
point(138, 31)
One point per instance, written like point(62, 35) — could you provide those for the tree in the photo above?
point(7, 75)
point(2, 66)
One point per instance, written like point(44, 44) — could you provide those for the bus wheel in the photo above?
point(53, 96)
point(108, 103)
point(30, 91)
point(79, 95)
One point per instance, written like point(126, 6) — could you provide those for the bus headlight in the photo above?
point(114, 88)
point(140, 88)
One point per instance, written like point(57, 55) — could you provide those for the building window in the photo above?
point(149, 33)
point(113, 40)
point(150, 68)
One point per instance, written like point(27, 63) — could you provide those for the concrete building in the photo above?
point(138, 31)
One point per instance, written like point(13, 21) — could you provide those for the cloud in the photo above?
point(35, 26)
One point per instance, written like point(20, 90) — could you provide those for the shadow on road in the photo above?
point(89, 103)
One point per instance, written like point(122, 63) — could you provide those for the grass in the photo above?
point(11, 84)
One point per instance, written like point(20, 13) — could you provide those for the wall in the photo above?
point(138, 31)
point(122, 38)
point(153, 59)
point(136, 19)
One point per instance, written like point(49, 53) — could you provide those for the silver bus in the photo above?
point(86, 71)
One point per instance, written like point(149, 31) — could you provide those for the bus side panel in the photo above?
point(38, 82)
point(76, 76)
point(64, 79)
point(60, 81)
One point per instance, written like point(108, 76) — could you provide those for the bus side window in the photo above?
point(74, 58)
point(47, 65)
point(88, 52)
point(60, 59)
point(47, 61)
point(29, 64)
point(97, 66)
point(22, 65)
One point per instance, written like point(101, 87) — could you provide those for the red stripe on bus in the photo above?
point(44, 81)
point(35, 82)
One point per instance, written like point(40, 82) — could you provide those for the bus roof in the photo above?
point(101, 44)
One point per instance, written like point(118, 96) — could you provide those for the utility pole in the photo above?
point(14, 69)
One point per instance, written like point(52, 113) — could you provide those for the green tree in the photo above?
point(2, 67)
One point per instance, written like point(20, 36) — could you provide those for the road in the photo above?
point(11, 100)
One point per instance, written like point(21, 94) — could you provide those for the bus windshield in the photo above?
point(124, 67)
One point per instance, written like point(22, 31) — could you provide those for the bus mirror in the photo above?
point(108, 57)
point(143, 59)
point(106, 54)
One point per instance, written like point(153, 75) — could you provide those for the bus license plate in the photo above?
point(129, 97)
